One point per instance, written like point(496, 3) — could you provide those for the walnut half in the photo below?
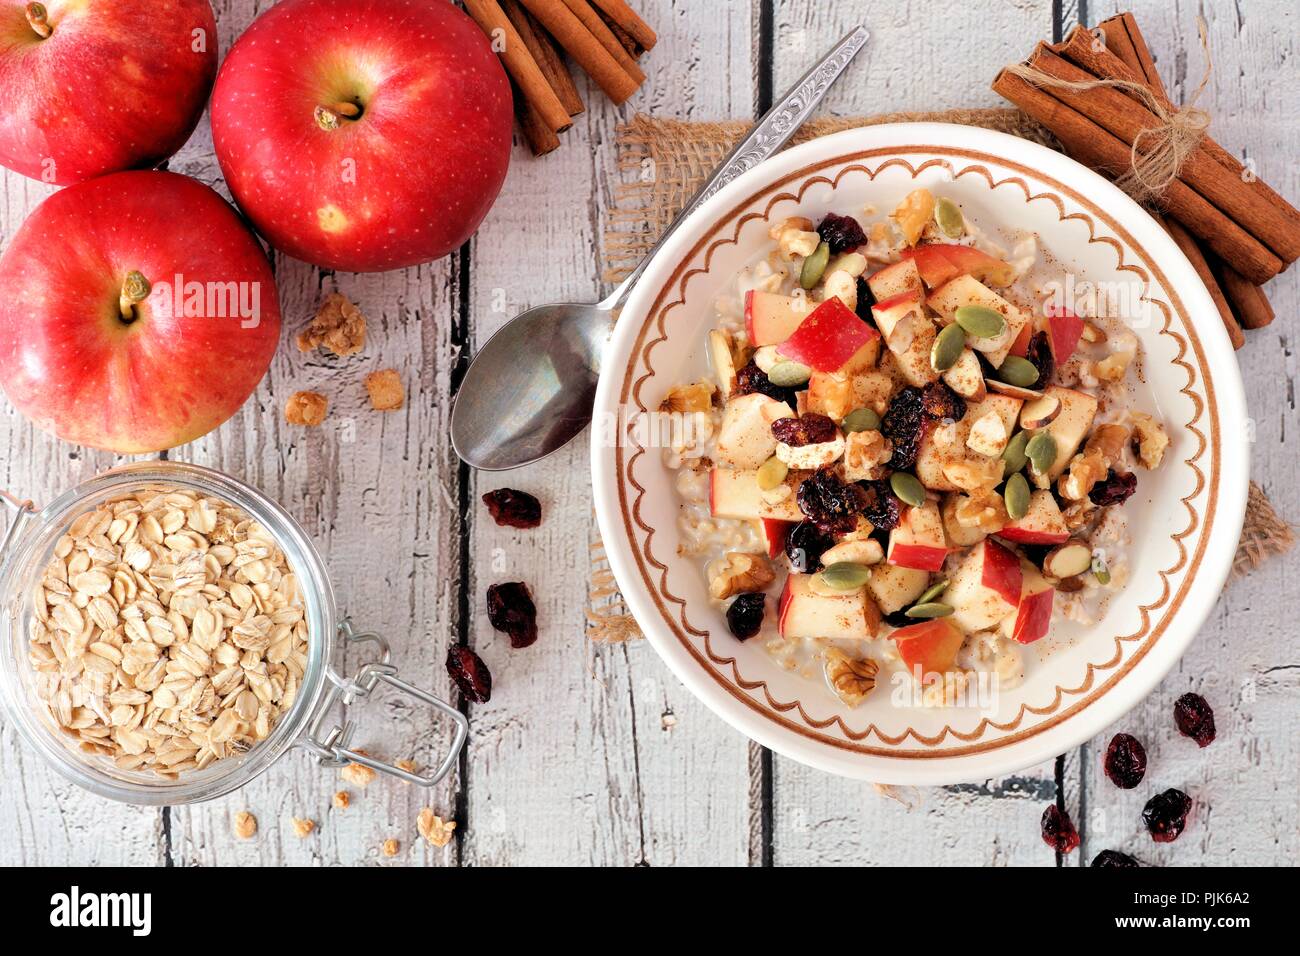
point(1103, 449)
point(1149, 439)
point(852, 679)
point(739, 572)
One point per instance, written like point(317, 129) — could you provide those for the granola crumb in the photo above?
point(434, 828)
point(245, 825)
point(306, 408)
point(391, 847)
point(342, 799)
point(356, 773)
point(303, 828)
point(338, 325)
point(409, 766)
point(386, 391)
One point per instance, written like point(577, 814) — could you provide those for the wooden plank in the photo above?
point(591, 754)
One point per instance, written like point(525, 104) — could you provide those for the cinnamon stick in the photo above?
point(634, 49)
point(596, 27)
point(519, 63)
point(585, 49)
point(541, 138)
point(628, 21)
point(548, 58)
point(1248, 299)
point(1127, 118)
point(1188, 245)
point(1094, 146)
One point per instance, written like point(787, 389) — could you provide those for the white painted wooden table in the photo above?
point(597, 755)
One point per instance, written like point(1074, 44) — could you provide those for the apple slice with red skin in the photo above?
point(1064, 329)
point(968, 260)
point(771, 318)
point(1042, 523)
point(773, 532)
point(1034, 613)
point(1020, 346)
point(830, 337)
point(902, 276)
point(931, 646)
point(918, 541)
point(986, 587)
point(804, 613)
point(898, 318)
point(735, 494)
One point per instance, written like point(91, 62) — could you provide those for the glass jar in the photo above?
point(317, 720)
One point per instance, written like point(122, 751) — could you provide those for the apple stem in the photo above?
point(37, 17)
point(327, 117)
point(135, 288)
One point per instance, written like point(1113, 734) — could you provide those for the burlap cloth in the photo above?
point(680, 155)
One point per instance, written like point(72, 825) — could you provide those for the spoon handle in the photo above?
point(768, 135)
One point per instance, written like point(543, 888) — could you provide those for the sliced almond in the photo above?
point(860, 551)
point(988, 435)
point(1039, 412)
point(1015, 391)
point(723, 365)
point(1068, 559)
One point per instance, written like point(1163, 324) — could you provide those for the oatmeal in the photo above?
point(907, 456)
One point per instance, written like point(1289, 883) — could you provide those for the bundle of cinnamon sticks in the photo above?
point(604, 37)
point(1236, 231)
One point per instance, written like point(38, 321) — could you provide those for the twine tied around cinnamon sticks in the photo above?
point(1158, 153)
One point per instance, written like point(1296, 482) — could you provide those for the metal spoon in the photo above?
point(530, 389)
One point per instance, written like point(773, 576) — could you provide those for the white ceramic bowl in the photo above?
point(1185, 519)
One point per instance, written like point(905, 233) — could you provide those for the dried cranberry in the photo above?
point(904, 425)
point(941, 403)
point(1058, 829)
point(805, 545)
point(831, 502)
point(751, 378)
point(880, 505)
point(809, 428)
point(865, 301)
point(1115, 489)
point(511, 610)
point(1195, 719)
point(1115, 860)
point(1126, 761)
point(745, 616)
point(470, 674)
point(1166, 814)
point(1039, 354)
point(841, 233)
point(513, 509)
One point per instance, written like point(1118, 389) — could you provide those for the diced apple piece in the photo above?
point(933, 265)
point(986, 586)
point(829, 338)
point(972, 262)
point(918, 541)
point(942, 444)
point(966, 378)
point(1020, 346)
point(1071, 424)
point(773, 533)
point(872, 390)
point(854, 551)
point(965, 290)
point(735, 494)
point(771, 318)
point(1034, 613)
point(745, 438)
point(899, 317)
point(895, 588)
point(894, 279)
point(929, 647)
point(913, 363)
point(830, 394)
point(1064, 329)
point(724, 367)
point(1042, 523)
point(805, 613)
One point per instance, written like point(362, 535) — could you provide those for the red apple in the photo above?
point(92, 88)
point(968, 260)
point(828, 338)
point(1021, 345)
point(736, 494)
point(773, 533)
point(1042, 523)
point(894, 280)
point(805, 613)
point(935, 267)
point(771, 318)
point(900, 317)
point(931, 646)
point(986, 586)
point(1064, 329)
point(151, 369)
point(918, 541)
point(1034, 613)
point(1001, 571)
point(363, 134)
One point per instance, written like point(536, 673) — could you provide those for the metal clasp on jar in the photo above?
point(331, 744)
point(21, 510)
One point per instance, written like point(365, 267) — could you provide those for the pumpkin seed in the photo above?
point(947, 348)
point(814, 266)
point(928, 611)
point(1016, 496)
point(788, 374)
point(1018, 371)
point(1041, 450)
point(1099, 569)
point(771, 473)
point(980, 321)
point(932, 592)
point(908, 488)
point(1013, 456)
point(948, 218)
point(845, 576)
point(862, 420)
